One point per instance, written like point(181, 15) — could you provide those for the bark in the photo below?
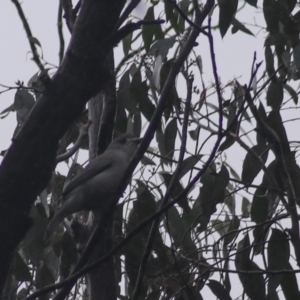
point(30, 160)
point(102, 110)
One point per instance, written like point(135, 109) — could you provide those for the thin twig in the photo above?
point(36, 57)
point(60, 32)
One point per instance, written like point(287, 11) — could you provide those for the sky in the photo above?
point(16, 64)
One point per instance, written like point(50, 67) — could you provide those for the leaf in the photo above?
point(246, 207)
point(254, 285)
point(252, 2)
point(272, 12)
point(147, 161)
point(137, 124)
point(33, 243)
point(170, 137)
point(212, 192)
point(297, 56)
point(292, 93)
point(227, 12)
point(20, 268)
point(289, 285)
point(260, 206)
point(230, 201)
point(278, 257)
point(233, 227)
point(168, 9)
point(69, 255)
point(7, 110)
point(269, 59)
point(218, 289)
point(251, 166)
point(126, 42)
point(160, 138)
point(275, 95)
point(188, 164)
point(147, 31)
point(259, 136)
point(179, 230)
point(177, 189)
point(145, 105)
point(194, 134)
point(156, 72)
point(232, 125)
point(162, 47)
point(35, 41)
point(184, 6)
point(237, 25)
point(125, 96)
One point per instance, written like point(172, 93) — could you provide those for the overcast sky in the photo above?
point(234, 54)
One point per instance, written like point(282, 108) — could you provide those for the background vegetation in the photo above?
point(194, 221)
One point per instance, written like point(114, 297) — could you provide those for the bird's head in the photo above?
point(126, 142)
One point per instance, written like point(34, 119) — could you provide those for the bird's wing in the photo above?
point(98, 165)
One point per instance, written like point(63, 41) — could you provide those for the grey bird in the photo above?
point(97, 183)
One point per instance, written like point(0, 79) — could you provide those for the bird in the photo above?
point(98, 182)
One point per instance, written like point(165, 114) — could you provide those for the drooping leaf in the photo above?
point(145, 105)
point(179, 231)
point(227, 12)
point(260, 138)
point(237, 25)
point(253, 284)
point(251, 166)
point(69, 255)
point(194, 134)
point(292, 93)
point(260, 206)
point(246, 207)
point(147, 31)
point(278, 257)
point(269, 59)
point(232, 230)
point(218, 289)
point(188, 164)
point(168, 9)
point(275, 95)
point(7, 110)
point(162, 47)
point(275, 122)
point(289, 285)
point(170, 137)
point(160, 138)
point(230, 200)
point(137, 124)
point(177, 189)
point(184, 6)
point(272, 12)
point(232, 126)
point(147, 161)
point(212, 192)
point(20, 268)
point(35, 41)
point(126, 42)
point(297, 56)
point(252, 2)
point(125, 95)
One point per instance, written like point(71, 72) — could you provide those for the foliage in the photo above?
point(228, 221)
